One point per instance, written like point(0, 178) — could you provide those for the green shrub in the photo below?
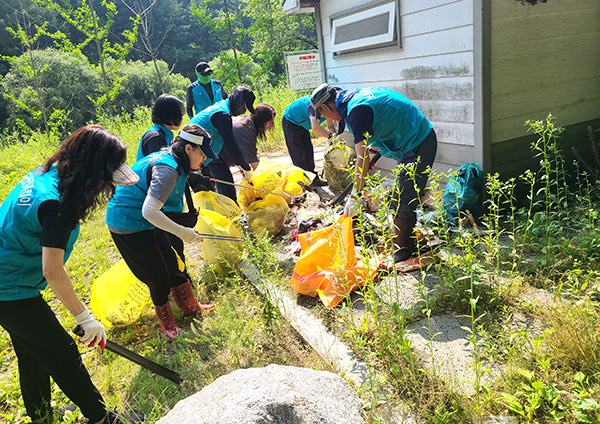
point(226, 71)
point(68, 82)
point(140, 86)
point(65, 81)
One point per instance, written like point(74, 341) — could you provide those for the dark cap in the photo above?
point(321, 95)
point(241, 96)
point(203, 141)
point(203, 68)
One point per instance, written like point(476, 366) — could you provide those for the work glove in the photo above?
point(247, 175)
point(199, 182)
point(189, 235)
point(93, 331)
point(352, 206)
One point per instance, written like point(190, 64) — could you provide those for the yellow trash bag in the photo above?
point(328, 266)
point(275, 177)
point(118, 297)
point(247, 195)
point(268, 214)
point(293, 175)
point(211, 201)
point(219, 254)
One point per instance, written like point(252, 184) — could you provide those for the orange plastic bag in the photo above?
point(328, 266)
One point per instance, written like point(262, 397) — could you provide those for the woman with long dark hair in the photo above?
point(137, 217)
point(247, 130)
point(39, 224)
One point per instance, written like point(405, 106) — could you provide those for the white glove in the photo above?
point(247, 175)
point(93, 331)
point(352, 206)
point(189, 235)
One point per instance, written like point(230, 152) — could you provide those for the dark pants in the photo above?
point(219, 170)
point(44, 349)
point(152, 260)
point(299, 145)
point(405, 199)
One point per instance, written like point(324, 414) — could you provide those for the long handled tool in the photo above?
point(284, 195)
point(218, 237)
point(140, 360)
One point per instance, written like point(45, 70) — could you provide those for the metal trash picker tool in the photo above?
point(138, 359)
point(218, 237)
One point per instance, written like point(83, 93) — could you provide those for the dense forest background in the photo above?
point(66, 62)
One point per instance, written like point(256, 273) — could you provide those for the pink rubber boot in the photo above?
point(167, 322)
point(184, 298)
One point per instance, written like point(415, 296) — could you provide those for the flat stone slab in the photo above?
point(443, 345)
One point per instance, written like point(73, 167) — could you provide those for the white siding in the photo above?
point(434, 68)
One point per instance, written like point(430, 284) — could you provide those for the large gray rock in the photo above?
point(275, 394)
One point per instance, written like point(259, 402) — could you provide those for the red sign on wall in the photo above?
point(303, 70)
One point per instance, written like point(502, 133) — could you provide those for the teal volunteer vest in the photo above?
point(297, 113)
point(124, 210)
point(156, 127)
point(203, 119)
point(399, 125)
point(21, 275)
point(201, 99)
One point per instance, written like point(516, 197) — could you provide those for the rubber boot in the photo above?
point(167, 322)
point(404, 241)
point(184, 298)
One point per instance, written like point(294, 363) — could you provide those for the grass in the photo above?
point(525, 278)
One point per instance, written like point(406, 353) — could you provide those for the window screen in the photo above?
point(369, 27)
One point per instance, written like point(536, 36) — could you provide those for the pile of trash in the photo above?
point(274, 188)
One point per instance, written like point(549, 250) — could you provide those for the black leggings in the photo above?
point(405, 199)
point(44, 349)
point(150, 256)
point(299, 145)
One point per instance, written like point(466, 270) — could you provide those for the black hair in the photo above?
point(86, 161)
point(167, 110)
point(178, 147)
point(264, 113)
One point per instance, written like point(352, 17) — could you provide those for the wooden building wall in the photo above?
point(434, 69)
point(545, 58)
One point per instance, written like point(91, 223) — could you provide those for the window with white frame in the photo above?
point(371, 26)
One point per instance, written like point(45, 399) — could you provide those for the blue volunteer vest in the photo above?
point(203, 119)
point(201, 99)
point(399, 125)
point(124, 210)
point(297, 113)
point(21, 275)
point(156, 127)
